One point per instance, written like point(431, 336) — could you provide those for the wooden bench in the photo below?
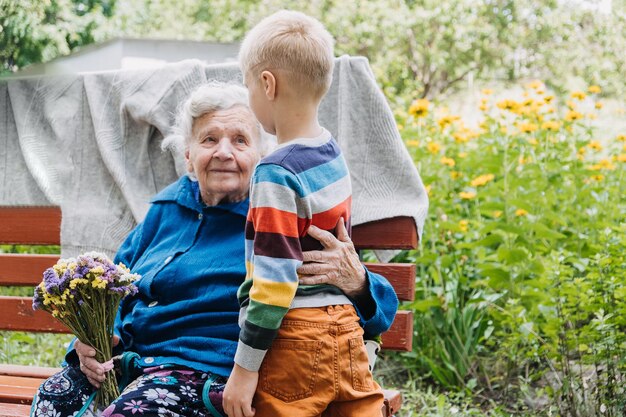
point(41, 226)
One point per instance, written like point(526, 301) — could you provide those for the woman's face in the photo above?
point(222, 153)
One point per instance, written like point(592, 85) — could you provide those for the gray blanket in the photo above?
point(90, 143)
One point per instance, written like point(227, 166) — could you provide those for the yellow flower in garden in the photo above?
point(433, 147)
point(548, 99)
point(447, 161)
point(599, 105)
point(413, 143)
point(527, 127)
point(598, 177)
point(497, 213)
point(551, 125)
point(540, 92)
point(445, 121)
point(533, 141)
point(504, 130)
point(524, 161)
point(483, 106)
point(595, 145)
point(606, 164)
point(487, 91)
point(550, 110)
point(592, 116)
point(621, 157)
point(535, 85)
point(570, 104)
point(456, 175)
point(578, 95)
point(467, 195)
point(594, 89)
point(419, 108)
point(621, 138)
point(460, 137)
point(463, 155)
point(510, 105)
point(520, 212)
point(400, 126)
point(463, 225)
point(573, 115)
point(482, 180)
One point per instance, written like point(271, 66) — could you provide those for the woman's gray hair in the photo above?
point(207, 98)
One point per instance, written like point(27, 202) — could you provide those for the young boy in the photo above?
point(300, 350)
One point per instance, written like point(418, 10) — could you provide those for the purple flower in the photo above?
point(53, 283)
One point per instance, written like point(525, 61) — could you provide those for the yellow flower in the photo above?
point(447, 161)
point(595, 145)
point(413, 142)
point(487, 91)
point(533, 141)
point(621, 157)
point(483, 107)
point(460, 137)
point(456, 175)
point(510, 105)
point(524, 161)
point(606, 164)
point(598, 177)
point(551, 125)
point(573, 115)
point(463, 225)
point(550, 110)
point(621, 138)
point(497, 213)
point(540, 92)
point(419, 108)
point(548, 99)
point(535, 85)
point(527, 127)
point(599, 105)
point(463, 155)
point(482, 180)
point(592, 116)
point(467, 195)
point(504, 130)
point(570, 104)
point(445, 121)
point(520, 212)
point(578, 95)
point(594, 89)
point(433, 147)
point(400, 126)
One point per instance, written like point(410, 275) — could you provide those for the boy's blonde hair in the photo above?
point(294, 43)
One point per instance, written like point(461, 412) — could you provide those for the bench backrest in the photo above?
point(41, 226)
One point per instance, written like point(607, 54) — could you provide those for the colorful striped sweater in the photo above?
point(303, 182)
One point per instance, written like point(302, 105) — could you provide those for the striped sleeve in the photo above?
point(273, 253)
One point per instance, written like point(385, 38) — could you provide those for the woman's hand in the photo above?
point(338, 264)
point(93, 370)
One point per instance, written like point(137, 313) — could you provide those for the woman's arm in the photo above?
point(338, 264)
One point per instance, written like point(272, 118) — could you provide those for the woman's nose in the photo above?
point(224, 149)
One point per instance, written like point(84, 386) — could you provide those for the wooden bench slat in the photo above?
point(30, 225)
point(393, 402)
point(28, 371)
point(395, 233)
point(24, 269)
point(400, 335)
point(14, 410)
point(16, 313)
point(17, 389)
point(401, 276)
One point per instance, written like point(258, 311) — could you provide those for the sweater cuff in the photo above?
point(248, 357)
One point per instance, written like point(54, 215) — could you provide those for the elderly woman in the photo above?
point(178, 334)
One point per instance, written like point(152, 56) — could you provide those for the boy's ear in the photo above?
point(268, 81)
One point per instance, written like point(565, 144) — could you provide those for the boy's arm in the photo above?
point(272, 232)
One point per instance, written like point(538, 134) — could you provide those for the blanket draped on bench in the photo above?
point(95, 138)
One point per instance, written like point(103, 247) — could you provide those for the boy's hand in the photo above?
point(239, 391)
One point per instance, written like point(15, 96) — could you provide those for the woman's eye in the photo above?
point(241, 140)
point(209, 139)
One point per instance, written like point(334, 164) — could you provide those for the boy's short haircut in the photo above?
point(294, 43)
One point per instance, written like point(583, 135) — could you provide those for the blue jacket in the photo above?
point(191, 259)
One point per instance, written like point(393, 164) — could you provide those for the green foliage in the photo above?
point(522, 270)
point(38, 31)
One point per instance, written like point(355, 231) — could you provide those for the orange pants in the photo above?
point(318, 366)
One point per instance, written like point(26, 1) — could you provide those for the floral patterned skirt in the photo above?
point(158, 391)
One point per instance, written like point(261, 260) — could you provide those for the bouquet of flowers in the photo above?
point(84, 293)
